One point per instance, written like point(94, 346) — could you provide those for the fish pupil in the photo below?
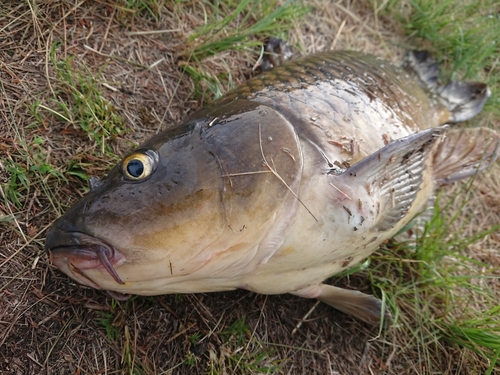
point(135, 168)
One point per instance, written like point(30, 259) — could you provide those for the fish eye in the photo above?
point(139, 165)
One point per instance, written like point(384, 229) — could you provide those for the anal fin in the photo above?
point(464, 152)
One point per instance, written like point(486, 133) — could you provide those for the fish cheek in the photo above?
point(170, 217)
point(181, 230)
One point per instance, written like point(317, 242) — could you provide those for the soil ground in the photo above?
point(51, 325)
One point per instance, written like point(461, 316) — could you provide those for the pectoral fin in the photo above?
point(393, 175)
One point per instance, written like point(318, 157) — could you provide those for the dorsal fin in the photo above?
point(394, 174)
point(464, 100)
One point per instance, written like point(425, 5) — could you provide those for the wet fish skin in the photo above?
point(299, 173)
point(343, 89)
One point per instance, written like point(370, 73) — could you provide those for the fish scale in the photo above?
point(352, 84)
point(365, 74)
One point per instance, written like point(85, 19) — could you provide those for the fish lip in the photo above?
point(75, 252)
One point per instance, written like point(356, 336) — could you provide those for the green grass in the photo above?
point(77, 100)
point(132, 365)
point(441, 294)
point(237, 331)
point(107, 320)
point(115, 323)
point(234, 26)
point(245, 353)
point(464, 35)
point(111, 321)
point(143, 8)
point(28, 168)
point(433, 287)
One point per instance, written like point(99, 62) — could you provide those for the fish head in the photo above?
point(182, 199)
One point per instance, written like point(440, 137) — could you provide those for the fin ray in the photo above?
point(395, 174)
point(365, 307)
point(464, 152)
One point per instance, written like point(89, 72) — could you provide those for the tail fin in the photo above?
point(464, 152)
point(464, 100)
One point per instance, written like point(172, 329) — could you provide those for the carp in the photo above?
point(295, 176)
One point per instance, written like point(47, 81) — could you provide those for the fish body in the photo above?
point(296, 175)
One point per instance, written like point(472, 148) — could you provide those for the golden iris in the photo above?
point(137, 166)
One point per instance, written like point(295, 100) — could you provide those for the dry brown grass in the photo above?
point(50, 325)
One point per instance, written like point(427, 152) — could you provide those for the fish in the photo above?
point(297, 175)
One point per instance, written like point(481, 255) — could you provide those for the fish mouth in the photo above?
point(75, 252)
